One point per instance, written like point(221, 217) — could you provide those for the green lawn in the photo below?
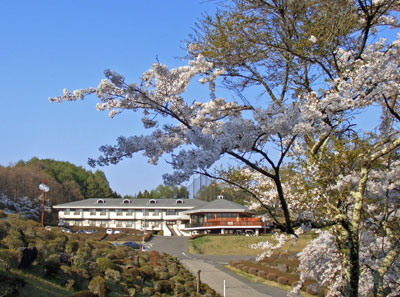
point(240, 245)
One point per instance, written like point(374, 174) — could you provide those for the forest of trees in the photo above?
point(210, 192)
point(164, 191)
point(67, 181)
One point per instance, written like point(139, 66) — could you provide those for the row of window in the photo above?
point(120, 212)
point(221, 215)
point(127, 224)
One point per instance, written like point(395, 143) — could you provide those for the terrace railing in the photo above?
point(221, 222)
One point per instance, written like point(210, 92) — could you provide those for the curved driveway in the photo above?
point(213, 271)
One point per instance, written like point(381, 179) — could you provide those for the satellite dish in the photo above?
point(44, 188)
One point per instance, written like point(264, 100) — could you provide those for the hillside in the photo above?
point(79, 265)
point(67, 183)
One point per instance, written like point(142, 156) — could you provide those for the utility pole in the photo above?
point(44, 188)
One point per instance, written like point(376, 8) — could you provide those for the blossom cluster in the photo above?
point(23, 206)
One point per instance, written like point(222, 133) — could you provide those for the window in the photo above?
point(156, 212)
point(226, 215)
point(119, 212)
point(130, 212)
point(172, 212)
point(67, 211)
point(119, 224)
point(103, 212)
point(100, 201)
point(179, 201)
point(210, 216)
point(145, 212)
point(77, 212)
point(152, 201)
point(128, 224)
point(126, 201)
point(92, 212)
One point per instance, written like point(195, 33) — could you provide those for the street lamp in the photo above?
point(44, 188)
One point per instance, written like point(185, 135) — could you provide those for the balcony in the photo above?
point(229, 222)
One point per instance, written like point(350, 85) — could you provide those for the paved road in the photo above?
point(212, 269)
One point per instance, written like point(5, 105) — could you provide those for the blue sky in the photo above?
point(50, 45)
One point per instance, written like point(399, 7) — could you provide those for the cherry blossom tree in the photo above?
point(301, 152)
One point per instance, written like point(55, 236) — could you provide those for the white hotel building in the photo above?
point(181, 217)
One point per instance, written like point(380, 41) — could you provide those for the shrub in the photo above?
point(9, 258)
point(70, 284)
point(189, 286)
point(163, 286)
point(173, 269)
point(112, 275)
point(2, 214)
point(28, 255)
point(235, 263)
point(163, 276)
point(245, 268)
point(154, 258)
point(131, 292)
point(119, 253)
point(52, 264)
point(131, 274)
point(253, 270)
point(84, 253)
point(147, 271)
point(271, 276)
point(104, 263)
point(179, 288)
point(283, 280)
point(240, 266)
point(261, 273)
point(13, 240)
point(4, 227)
point(148, 291)
point(98, 286)
point(72, 246)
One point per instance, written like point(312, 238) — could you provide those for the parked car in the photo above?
point(66, 230)
point(249, 232)
point(132, 244)
point(80, 231)
point(109, 231)
point(117, 232)
point(48, 228)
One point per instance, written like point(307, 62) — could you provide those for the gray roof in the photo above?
point(219, 205)
point(133, 203)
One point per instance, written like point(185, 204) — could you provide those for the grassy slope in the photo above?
point(240, 245)
point(38, 287)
